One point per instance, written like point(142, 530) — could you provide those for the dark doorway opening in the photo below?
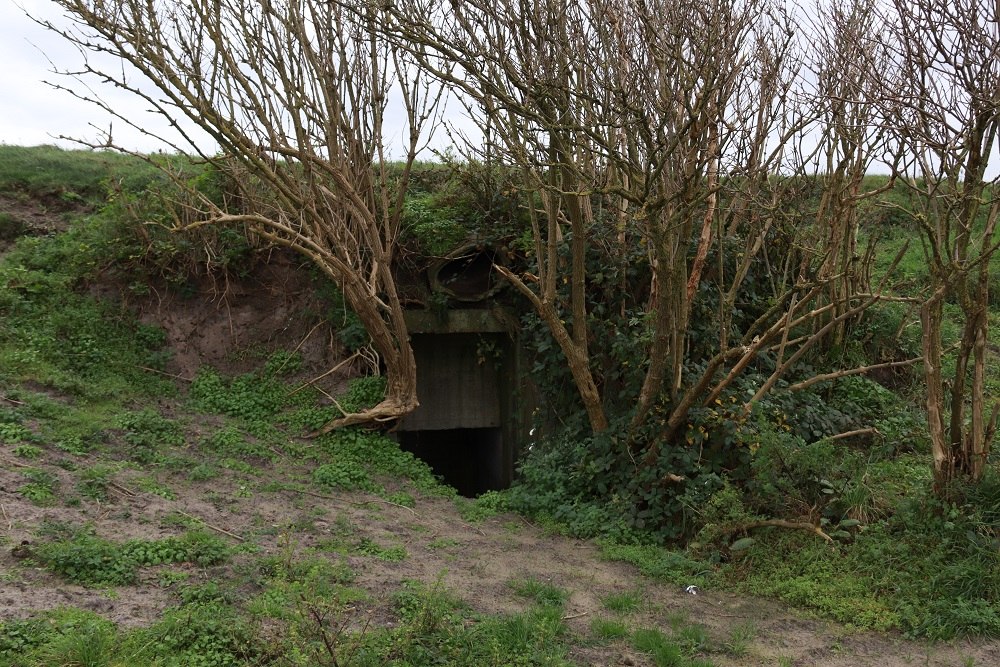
point(469, 459)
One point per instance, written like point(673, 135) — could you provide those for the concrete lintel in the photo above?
point(466, 320)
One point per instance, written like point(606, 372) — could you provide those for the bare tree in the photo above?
point(684, 120)
point(295, 94)
point(851, 66)
point(945, 113)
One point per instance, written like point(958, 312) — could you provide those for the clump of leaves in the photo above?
point(87, 559)
point(345, 475)
point(84, 558)
point(436, 227)
point(40, 487)
point(146, 431)
point(94, 481)
point(231, 442)
point(30, 452)
point(358, 451)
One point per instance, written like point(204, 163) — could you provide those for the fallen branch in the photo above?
point(571, 616)
point(16, 464)
point(852, 371)
point(124, 490)
point(12, 401)
point(851, 434)
point(208, 525)
point(781, 523)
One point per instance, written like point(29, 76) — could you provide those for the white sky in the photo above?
point(32, 112)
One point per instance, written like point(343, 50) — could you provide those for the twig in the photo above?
point(301, 343)
point(16, 464)
point(571, 616)
point(851, 434)
point(6, 517)
point(11, 400)
point(169, 375)
point(124, 490)
point(215, 528)
point(852, 371)
point(332, 370)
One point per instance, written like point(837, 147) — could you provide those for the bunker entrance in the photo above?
point(469, 459)
point(466, 427)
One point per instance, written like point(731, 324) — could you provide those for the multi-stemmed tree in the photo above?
point(294, 95)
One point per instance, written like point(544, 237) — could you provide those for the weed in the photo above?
point(659, 562)
point(443, 543)
point(151, 485)
point(29, 452)
point(607, 630)
point(76, 444)
point(739, 639)
point(392, 554)
point(199, 634)
point(692, 638)
point(146, 431)
point(13, 433)
point(231, 442)
point(62, 636)
point(203, 472)
point(19, 637)
point(40, 488)
point(168, 578)
point(402, 498)
point(195, 546)
point(83, 558)
point(255, 398)
point(208, 592)
point(87, 559)
point(664, 652)
point(356, 451)
point(487, 505)
point(345, 475)
point(94, 481)
point(625, 602)
point(542, 593)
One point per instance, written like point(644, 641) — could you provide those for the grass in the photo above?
point(544, 594)
point(71, 175)
point(71, 369)
point(625, 602)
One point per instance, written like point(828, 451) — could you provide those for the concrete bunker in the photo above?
point(466, 427)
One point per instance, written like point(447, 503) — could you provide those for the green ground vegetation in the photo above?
point(79, 376)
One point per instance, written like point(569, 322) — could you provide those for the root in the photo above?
point(388, 410)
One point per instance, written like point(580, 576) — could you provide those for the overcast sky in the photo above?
point(32, 112)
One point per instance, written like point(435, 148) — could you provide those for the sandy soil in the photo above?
point(476, 562)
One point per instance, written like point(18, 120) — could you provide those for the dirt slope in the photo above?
point(477, 562)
